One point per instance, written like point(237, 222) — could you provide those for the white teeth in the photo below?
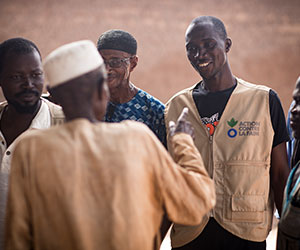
point(203, 64)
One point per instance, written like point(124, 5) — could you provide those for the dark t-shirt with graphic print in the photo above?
point(211, 105)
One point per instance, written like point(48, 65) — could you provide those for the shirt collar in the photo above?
point(42, 119)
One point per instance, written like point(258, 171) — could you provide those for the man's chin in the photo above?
point(25, 108)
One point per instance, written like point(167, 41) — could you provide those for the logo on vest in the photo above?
point(244, 128)
point(232, 132)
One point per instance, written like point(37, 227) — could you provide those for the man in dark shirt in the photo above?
point(288, 237)
point(207, 47)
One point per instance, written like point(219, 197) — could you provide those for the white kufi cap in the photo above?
point(70, 61)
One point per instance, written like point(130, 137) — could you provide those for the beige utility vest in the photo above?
point(237, 157)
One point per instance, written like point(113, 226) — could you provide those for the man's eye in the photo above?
point(192, 49)
point(297, 100)
point(37, 74)
point(16, 77)
point(115, 62)
point(210, 45)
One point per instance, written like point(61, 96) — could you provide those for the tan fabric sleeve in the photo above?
point(17, 228)
point(188, 192)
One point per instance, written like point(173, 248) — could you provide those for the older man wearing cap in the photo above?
point(127, 102)
point(75, 186)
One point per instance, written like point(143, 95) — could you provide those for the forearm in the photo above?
point(278, 188)
point(190, 191)
point(186, 154)
point(279, 173)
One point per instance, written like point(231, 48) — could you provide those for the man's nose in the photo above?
point(28, 82)
point(200, 52)
point(295, 109)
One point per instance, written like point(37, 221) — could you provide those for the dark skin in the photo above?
point(118, 79)
point(75, 99)
point(84, 97)
point(295, 123)
point(122, 90)
point(22, 83)
point(207, 52)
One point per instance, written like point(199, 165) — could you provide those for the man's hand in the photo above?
point(182, 125)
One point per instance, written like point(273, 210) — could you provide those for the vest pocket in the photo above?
point(247, 208)
point(245, 191)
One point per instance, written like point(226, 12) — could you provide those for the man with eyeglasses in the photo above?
point(87, 193)
point(127, 102)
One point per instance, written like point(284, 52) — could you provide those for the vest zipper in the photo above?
point(211, 165)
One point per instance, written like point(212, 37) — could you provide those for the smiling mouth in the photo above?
point(201, 65)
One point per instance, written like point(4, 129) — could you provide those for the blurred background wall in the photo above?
point(265, 35)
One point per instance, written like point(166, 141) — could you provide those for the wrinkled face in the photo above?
point(295, 112)
point(206, 50)
point(22, 80)
point(118, 64)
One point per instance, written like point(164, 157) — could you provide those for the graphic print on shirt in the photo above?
point(211, 122)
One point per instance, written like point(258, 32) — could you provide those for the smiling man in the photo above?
point(21, 80)
point(240, 132)
point(87, 192)
point(127, 102)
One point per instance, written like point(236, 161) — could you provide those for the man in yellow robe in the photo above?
point(94, 185)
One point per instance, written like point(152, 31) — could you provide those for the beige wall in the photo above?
point(265, 34)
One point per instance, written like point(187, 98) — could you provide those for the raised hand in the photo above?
point(182, 125)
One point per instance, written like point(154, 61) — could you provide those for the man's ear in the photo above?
point(51, 97)
point(48, 89)
point(133, 62)
point(228, 44)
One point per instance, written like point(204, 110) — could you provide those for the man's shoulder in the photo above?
point(35, 136)
point(131, 125)
point(183, 93)
point(130, 128)
point(252, 86)
point(56, 112)
point(142, 94)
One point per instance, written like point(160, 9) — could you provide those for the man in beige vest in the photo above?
point(95, 185)
point(21, 80)
point(240, 133)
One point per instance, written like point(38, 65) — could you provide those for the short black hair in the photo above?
point(217, 23)
point(117, 40)
point(17, 45)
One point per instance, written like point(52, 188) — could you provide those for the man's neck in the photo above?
point(80, 113)
point(14, 123)
point(123, 94)
point(221, 81)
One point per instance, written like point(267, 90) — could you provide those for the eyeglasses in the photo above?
point(116, 62)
